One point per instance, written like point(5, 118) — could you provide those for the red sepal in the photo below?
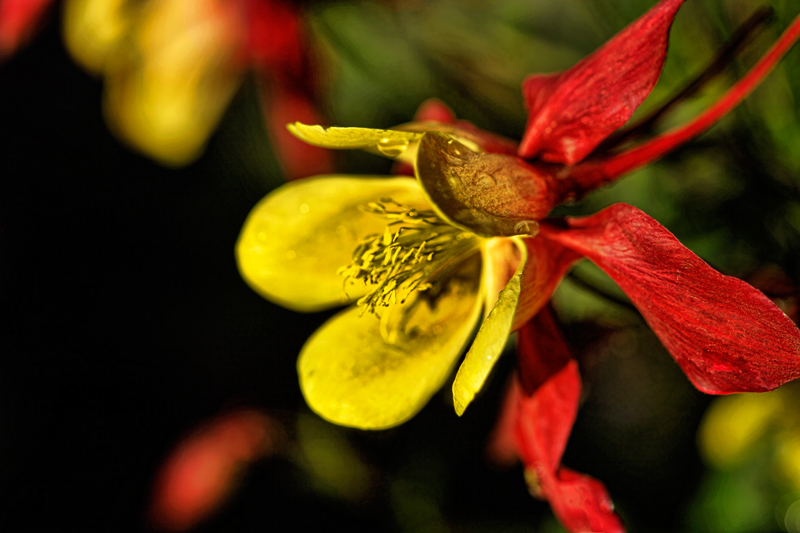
point(547, 263)
point(726, 336)
point(581, 503)
point(570, 113)
point(546, 407)
point(551, 389)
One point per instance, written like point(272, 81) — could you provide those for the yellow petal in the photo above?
point(94, 28)
point(297, 238)
point(733, 424)
point(372, 373)
point(167, 89)
point(395, 144)
point(492, 336)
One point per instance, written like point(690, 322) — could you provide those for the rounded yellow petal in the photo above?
point(371, 373)
point(732, 424)
point(297, 238)
point(492, 337)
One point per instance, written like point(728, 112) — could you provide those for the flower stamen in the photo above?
point(415, 249)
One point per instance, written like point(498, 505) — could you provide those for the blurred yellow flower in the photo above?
point(168, 66)
point(172, 66)
point(735, 426)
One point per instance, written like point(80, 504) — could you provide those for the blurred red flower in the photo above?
point(204, 468)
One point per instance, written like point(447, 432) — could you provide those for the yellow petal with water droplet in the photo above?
point(395, 144)
point(297, 238)
point(492, 337)
point(733, 424)
point(361, 372)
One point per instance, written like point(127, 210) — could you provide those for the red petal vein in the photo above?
point(726, 336)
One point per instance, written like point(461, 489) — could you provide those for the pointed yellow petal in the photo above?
point(297, 238)
point(395, 144)
point(492, 336)
point(372, 373)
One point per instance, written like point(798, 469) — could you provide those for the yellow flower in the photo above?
point(420, 282)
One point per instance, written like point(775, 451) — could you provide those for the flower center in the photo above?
point(415, 250)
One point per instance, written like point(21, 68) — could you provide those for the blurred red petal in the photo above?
point(283, 106)
point(502, 446)
point(18, 19)
point(726, 336)
point(202, 470)
point(434, 110)
point(570, 113)
point(274, 38)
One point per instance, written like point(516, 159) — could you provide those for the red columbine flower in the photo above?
point(429, 258)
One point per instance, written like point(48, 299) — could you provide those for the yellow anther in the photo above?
point(409, 253)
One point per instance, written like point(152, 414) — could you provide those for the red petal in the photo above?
point(570, 113)
point(547, 263)
point(544, 421)
point(275, 40)
point(551, 386)
point(581, 503)
point(502, 446)
point(282, 106)
point(542, 353)
point(434, 110)
point(726, 336)
point(18, 19)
